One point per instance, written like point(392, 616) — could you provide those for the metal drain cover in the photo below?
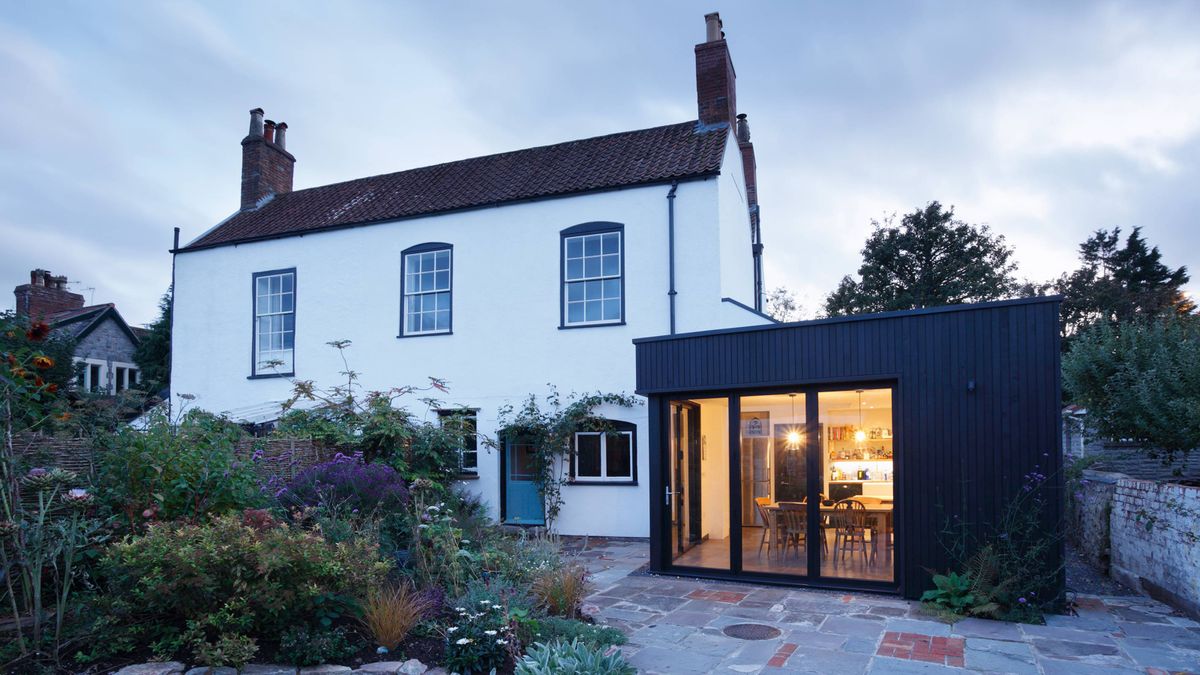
point(751, 631)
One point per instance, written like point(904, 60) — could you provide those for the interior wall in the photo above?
point(714, 467)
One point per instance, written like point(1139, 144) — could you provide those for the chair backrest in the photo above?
point(792, 516)
point(760, 505)
point(849, 514)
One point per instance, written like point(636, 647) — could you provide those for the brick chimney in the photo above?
point(45, 294)
point(716, 92)
point(266, 165)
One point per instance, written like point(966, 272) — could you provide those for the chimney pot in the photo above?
point(281, 135)
point(712, 27)
point(256, 122)
point(269, 131)
point(743, 128)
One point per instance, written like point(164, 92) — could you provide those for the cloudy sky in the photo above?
point(122, 120)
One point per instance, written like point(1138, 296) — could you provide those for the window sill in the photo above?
point(590, 325)
point(467, 476)
point(421, 335)
point(624, 483)
point(271, 376)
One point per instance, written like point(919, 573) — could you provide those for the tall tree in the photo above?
point(1118, 283)
point(781, 305)
point(929, 259)
point(153, 354)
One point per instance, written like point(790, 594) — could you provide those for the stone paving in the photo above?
point(677, 625)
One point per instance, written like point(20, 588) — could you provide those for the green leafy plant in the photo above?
point(187, 469)
point(572, 658)
point(439, 556)
point(952, 592)
point(302, 646)
point(560, 591)
point(180, 582)
point(552, 628)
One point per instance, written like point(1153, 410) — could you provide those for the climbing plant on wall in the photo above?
point(548, 426)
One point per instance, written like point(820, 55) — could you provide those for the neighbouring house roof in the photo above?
point(648, 156)
point(78, 323)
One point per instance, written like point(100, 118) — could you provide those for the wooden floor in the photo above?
point(714, 554)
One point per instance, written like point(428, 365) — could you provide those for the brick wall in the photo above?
point(1153, 535)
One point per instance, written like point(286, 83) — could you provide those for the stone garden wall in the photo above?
point(1144, 533)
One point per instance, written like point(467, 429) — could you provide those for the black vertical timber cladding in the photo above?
point(960, 451)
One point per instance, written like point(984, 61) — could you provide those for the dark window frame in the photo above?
point(254, 374)
point(618, 426)
point(473, 414)
point(582, 229)
point(427, 247)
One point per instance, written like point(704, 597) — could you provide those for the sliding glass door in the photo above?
point(798, 484)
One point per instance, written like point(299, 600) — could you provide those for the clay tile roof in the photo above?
point(662, 154)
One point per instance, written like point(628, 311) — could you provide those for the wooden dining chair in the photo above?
point(849, 521)
point(793, 519)
point(771, 527)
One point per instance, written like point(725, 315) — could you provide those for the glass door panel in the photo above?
point(858, 484)
point(698, 483)
point(774, 484)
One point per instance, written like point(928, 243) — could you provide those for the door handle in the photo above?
point(667, 495)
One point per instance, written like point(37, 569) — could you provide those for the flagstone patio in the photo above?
point(679, 625)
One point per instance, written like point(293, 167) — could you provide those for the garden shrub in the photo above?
point(180, 583)
point(556, 629)
point(346, 483)
point(480, 639)
point(187, 470)
point(390, 612)
point(302, 646)
point(572, 658)
point(520, 559)
point(560, 591)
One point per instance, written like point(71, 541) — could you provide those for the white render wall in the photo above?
point(506, 341)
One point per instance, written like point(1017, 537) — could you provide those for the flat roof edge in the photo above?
point(943, 309)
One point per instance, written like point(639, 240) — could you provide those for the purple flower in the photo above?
point(347, 481)
point(37, 472)
point(1021, 600)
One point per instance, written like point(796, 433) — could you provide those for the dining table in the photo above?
point(879, 512)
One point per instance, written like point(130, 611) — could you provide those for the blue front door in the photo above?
point(522, 502)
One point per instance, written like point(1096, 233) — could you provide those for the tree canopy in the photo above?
point(929, 259)
point(1140, 381)
point(153, 354)
point(1118, 283)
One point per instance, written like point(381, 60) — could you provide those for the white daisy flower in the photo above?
point(501, 642)
point(451, 629)
point(489, 632)
point(463, 641)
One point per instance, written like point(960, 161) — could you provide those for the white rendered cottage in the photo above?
point(500, 274)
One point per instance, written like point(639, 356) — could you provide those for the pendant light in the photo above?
point(793, 434)
point(859, 435)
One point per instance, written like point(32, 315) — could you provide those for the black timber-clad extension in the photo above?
point(977, 399)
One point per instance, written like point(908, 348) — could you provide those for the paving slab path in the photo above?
point(678, 625)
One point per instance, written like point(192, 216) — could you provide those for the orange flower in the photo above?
point(18, 372)
point(38, 381)
point(11, 358)
point(53, 388)
point(38, 331)
point(64, 417)
point(43, 362)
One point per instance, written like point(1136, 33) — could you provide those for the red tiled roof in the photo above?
point(661, 154)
